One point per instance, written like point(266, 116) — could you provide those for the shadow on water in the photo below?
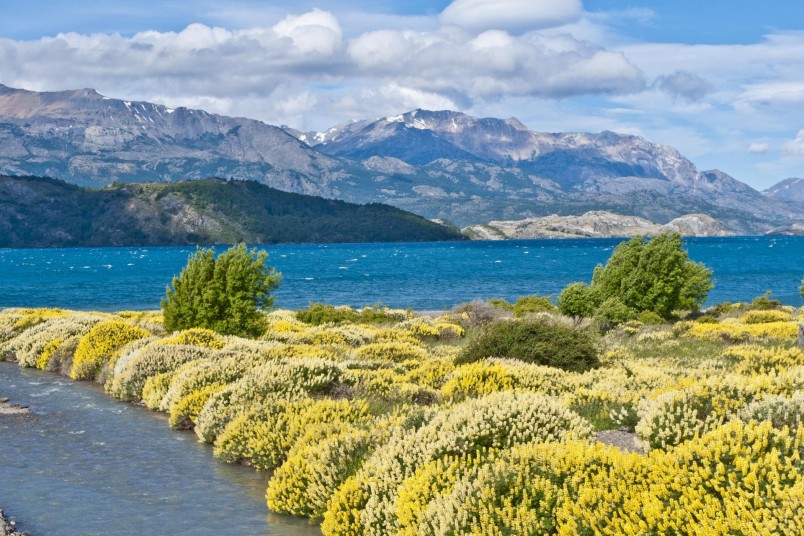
point(83, 463)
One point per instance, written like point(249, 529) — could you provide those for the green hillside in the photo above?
point(43, 212)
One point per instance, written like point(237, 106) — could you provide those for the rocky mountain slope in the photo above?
point(594, 224)
point(502, 167)
point(37, 212)
point(438, 164)
point(791, 189)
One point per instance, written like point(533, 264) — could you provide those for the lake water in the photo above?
point(86, 464)
point(429, 276)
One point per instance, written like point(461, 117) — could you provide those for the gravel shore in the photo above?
point(8, 527)
point(7, 408)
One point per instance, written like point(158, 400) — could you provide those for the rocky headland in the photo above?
point(594, 224)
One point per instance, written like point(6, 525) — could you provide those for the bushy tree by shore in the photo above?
point(656, 275)
point(225, 294)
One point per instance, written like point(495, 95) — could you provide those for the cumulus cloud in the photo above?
point(305, 60)
point(684, 84)
point(795, 146)
point(758, 148)
point(511, 15)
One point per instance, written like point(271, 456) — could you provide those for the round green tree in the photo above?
point(655, 275)
point(225, 294)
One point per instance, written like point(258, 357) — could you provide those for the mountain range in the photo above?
point(439, 164)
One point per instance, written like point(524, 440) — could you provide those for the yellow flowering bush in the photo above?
point(155, 389)
point(765, 317)
point(27, 346)
point(520, 491)
point(262, 437)
point(741, 478)
point(155, 358)
point(184, 413)
point(304, 484)
point(292, 381)
point(195, 380)
point(98, 346)
point(498, 420)
point(757, 359)
point(779, 410)
point(390, 351)
point(47, 354)
point(203, 337)
point(735, 332)
point(477, 379)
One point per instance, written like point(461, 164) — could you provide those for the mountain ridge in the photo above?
point(440, 164)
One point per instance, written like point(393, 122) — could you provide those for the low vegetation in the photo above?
point(474, 421)
point(403, 424)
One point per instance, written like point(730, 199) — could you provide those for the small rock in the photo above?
point(3, 401)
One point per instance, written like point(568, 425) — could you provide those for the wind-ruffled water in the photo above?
point(430, 276)
point(86, 464)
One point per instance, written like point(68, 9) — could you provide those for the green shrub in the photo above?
point(650, 318)
point(318, 313)
point(613, 312)
point(540, 341)
point(764, 303)
point(532, 304)
point(578, 300)
point(223, 294)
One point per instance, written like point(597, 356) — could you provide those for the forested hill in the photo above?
point(43, 212)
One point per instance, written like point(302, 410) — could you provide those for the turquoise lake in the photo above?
point(428, 276)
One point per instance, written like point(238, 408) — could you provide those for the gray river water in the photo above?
point(85, 464)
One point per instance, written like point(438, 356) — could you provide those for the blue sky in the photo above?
point(721, 80)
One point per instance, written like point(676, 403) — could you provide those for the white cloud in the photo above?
point(222, 69)
point(313, 32)
point(684, 84)
point(795, 147)
point(511, 15)
point(758, 148)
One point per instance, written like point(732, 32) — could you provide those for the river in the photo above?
point(85, 464)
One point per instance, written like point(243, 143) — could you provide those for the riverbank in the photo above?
point(8, 527)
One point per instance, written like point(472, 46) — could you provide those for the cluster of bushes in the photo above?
point(319, 313)
point(404, 427)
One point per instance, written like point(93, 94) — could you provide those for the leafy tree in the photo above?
point(656, 276)
point(578, 300)
point(224, 294)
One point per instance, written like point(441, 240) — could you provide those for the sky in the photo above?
point(720, 80)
